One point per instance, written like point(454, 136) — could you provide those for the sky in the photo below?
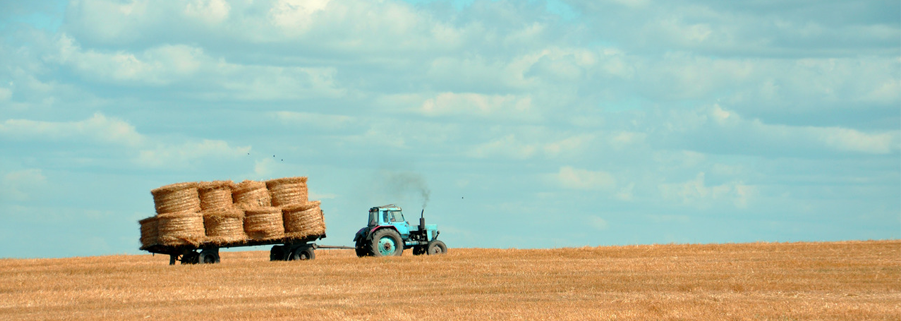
point(514, 124)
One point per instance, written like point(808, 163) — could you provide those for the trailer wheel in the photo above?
point(437, 247)
point(386, 242)
point(208, 258)
point(277, 253)
point(419, 250)
point(190, 257)
point(303, 254)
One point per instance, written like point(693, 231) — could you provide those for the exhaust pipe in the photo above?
point(422, 221)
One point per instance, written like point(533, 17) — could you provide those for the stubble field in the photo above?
point(758, 281)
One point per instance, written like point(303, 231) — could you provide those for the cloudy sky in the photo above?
point(532, 124)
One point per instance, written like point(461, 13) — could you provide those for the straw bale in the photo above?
point(224, 226)
point(180, 228)
point(176, 198)
point(149, 232)
point(303, 220)
point(215, 194)
point(287, 190)
point(251, 194)
point(264, 223)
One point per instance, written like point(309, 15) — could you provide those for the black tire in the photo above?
point(207, 258)
point(419, 250)
point(361, 249)
point(386, 242)
point(303, 254)
point(437, 247)
point(277, 253)
point(190, 258)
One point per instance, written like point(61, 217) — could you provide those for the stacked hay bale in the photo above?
point(178, 220)
point(301, 217)
point(223, 222)
point(251, 194)
point(225, 213)
point(303, 220)
point(287, 191)
point(264, 223)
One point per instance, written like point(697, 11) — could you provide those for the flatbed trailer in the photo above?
point(284, 249)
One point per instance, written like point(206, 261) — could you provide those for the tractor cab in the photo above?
point(390, 215)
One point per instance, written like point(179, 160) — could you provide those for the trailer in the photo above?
point(284, 249)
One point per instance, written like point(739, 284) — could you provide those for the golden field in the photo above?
point(756, 281)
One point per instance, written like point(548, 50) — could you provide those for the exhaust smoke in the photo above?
point(403, 184)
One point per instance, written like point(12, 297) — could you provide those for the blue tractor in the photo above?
point(388, 234)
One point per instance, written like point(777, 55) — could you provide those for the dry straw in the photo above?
point(224, 226)
point(149, 232)
point(264, 223)
point(176, 198)
point(215, 194)
point(251, 194)
point(180, 228)
point(288, 190)
point(303, 220)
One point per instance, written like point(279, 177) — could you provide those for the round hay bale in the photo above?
point(215, 194)
point(177, 197)
point(251, 194)
point(149, 232)
point(264, 223)
point(224, 226)
point(288, 190)
point(180, 228)
point(303, 220)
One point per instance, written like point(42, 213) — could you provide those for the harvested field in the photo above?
point(758, 281)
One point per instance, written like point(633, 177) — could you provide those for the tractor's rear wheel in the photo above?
point(386, 242)
point(362, 249)
point(437, 247)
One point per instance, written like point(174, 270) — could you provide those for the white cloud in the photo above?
point(598, 223)
point(507, 146)
point(583, 179)
point(188, 154)
point(296, 16)
point(5, 93)
point(98, 128)
point(470, 104)
point(696, 193)
point(716, 129)
point(312, 119)
point(209, 11)
point(22, 185)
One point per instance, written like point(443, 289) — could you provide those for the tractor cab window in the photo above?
point(373, 217)
point(397, 216)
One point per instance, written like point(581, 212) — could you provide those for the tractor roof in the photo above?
point(389, 206)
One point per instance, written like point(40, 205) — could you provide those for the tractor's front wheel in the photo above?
point(386, 242)
point(437, 247)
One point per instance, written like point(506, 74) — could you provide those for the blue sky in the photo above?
point(532, 124)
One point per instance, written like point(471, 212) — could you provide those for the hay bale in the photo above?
point(224, 226)
point(251, 194)
point(264, 223)
point(215, 194)
point(177, 197)
point(287, 191)
point(180, 228)
point(303, 220)
point(149, 232)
